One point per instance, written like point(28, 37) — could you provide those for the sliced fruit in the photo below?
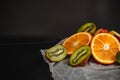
point(101, 30)
point(56, 53)
point(76, 41)
point(104, 48)
point(118, 57)
point(87, 27)
point(116, 34)
point(80, 56)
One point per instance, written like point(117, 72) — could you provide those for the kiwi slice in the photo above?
point(80, 56)
point(56, 53)
point(87, 27)
point(118, 57)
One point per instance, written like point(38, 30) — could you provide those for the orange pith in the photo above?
point(104, 48)
point(77, 40)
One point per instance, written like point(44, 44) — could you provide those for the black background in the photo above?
point(30, 25)
point(55, 18)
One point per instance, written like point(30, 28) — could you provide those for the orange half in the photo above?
point(76, 41)
point(104, 48)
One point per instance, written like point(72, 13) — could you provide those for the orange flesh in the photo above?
point(104, 48)
point(77, 40)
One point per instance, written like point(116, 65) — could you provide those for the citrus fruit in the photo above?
point(101, 30)
point(76, 40)
point(116, 34)
point(104, 48)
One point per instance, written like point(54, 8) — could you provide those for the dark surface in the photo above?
point(23, 61)
point(53, 18)
point(30, 25)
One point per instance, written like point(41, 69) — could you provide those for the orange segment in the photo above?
point(77, 40)
point(104, 48)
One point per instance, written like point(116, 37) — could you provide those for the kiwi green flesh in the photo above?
point(80, 55)
point(88, 27)
point(56, 53)
point(118, 57)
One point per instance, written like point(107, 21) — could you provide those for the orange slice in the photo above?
point(104, 48)
point(77, 40)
